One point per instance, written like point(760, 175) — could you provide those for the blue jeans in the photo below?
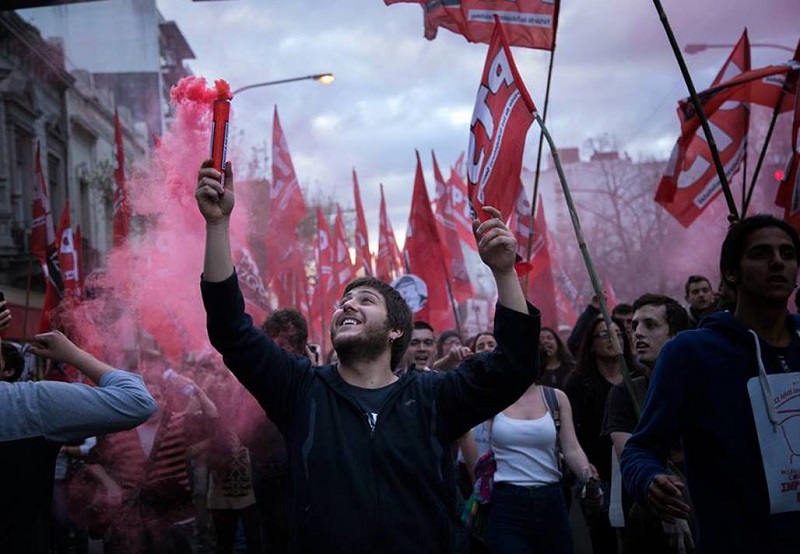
point(528, 520)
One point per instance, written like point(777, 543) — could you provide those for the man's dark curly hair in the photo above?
point(290, 324)
point(399, 314)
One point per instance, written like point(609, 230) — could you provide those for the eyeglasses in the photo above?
point(607, 335)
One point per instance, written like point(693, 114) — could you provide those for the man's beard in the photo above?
point(367, 346)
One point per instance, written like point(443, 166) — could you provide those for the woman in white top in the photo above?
point(528, 513)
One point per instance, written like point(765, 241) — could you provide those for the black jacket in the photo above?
point(357, 490)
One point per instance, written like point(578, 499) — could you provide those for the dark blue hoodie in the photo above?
point(357, 489)
point(698, 392)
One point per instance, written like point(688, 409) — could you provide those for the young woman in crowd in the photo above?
point(528, 513)
point(556, 361)
point(597, 370)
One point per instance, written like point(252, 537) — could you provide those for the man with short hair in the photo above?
point(656, 319)
point(370, 459)
point(288, 329)
point(623, 314)
point(700, 297)
point(421, 351)
point(699, 393)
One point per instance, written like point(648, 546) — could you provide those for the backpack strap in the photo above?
point(551, 401)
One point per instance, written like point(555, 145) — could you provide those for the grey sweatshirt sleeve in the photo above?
point(69, 412)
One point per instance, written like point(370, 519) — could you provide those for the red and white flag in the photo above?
point(324, 299)
point(788, 196)
point(389, 261)
point(254, 292)
point(287, 210)
point(690, 181)
point(69, 258)
point(343, 270)
point(425, 253)
point(530, 23)
point(363, 255)
point(43, 244)
point(503, 113)
point(541, 287)
point(122, 208)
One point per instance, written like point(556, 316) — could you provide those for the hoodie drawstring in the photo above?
point(766, 390)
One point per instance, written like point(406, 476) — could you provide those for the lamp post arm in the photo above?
point(316, 77)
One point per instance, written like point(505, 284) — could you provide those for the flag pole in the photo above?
point(539, 161)
point(744, 174)
point(712, 146)
point(587, 259)
point(763, 153)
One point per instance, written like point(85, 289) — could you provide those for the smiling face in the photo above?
point(485, 343)
point(767, 270)
point(548, 343)
point(650, 332)
point(360, 326)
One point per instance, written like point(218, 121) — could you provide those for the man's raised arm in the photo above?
point(216, 203)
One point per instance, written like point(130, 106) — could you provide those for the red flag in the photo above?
point(690, 181)
point(287, 210)
point(363, 256)
point(389, 261)
point(254, 292)
point(43, 244)
point(568, 298)
point(455, 226)
point(122, 209)
point(503, 113)
point(343, 271)
point(789, 190)
point(520, 225)
point(68, 259)
point(541, 288)
point(530, 23)
point(325, 289)
point(286, 198)
point(424, 252)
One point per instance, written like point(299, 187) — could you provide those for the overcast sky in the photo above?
point(395, 91)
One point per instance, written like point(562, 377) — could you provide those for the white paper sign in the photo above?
point(780, 443)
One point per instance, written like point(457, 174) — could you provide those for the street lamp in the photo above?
point(694, 48)
point(324, 78)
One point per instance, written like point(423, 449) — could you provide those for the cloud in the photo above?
point(614, 73)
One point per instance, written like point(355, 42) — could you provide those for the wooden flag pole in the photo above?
point(539, 163)
point(723, 179)
point(587, 259)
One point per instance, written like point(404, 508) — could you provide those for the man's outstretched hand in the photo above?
point(214, 201)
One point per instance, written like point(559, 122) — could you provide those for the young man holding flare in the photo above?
point(369, 452)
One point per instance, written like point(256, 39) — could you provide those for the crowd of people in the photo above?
point(648, 421)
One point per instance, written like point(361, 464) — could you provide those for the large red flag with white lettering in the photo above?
point(425, 254)
point(389, 261)
point(530, 23)
point(363, 256)
point(690, 181)
point(122, 208)
point(503, 113)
